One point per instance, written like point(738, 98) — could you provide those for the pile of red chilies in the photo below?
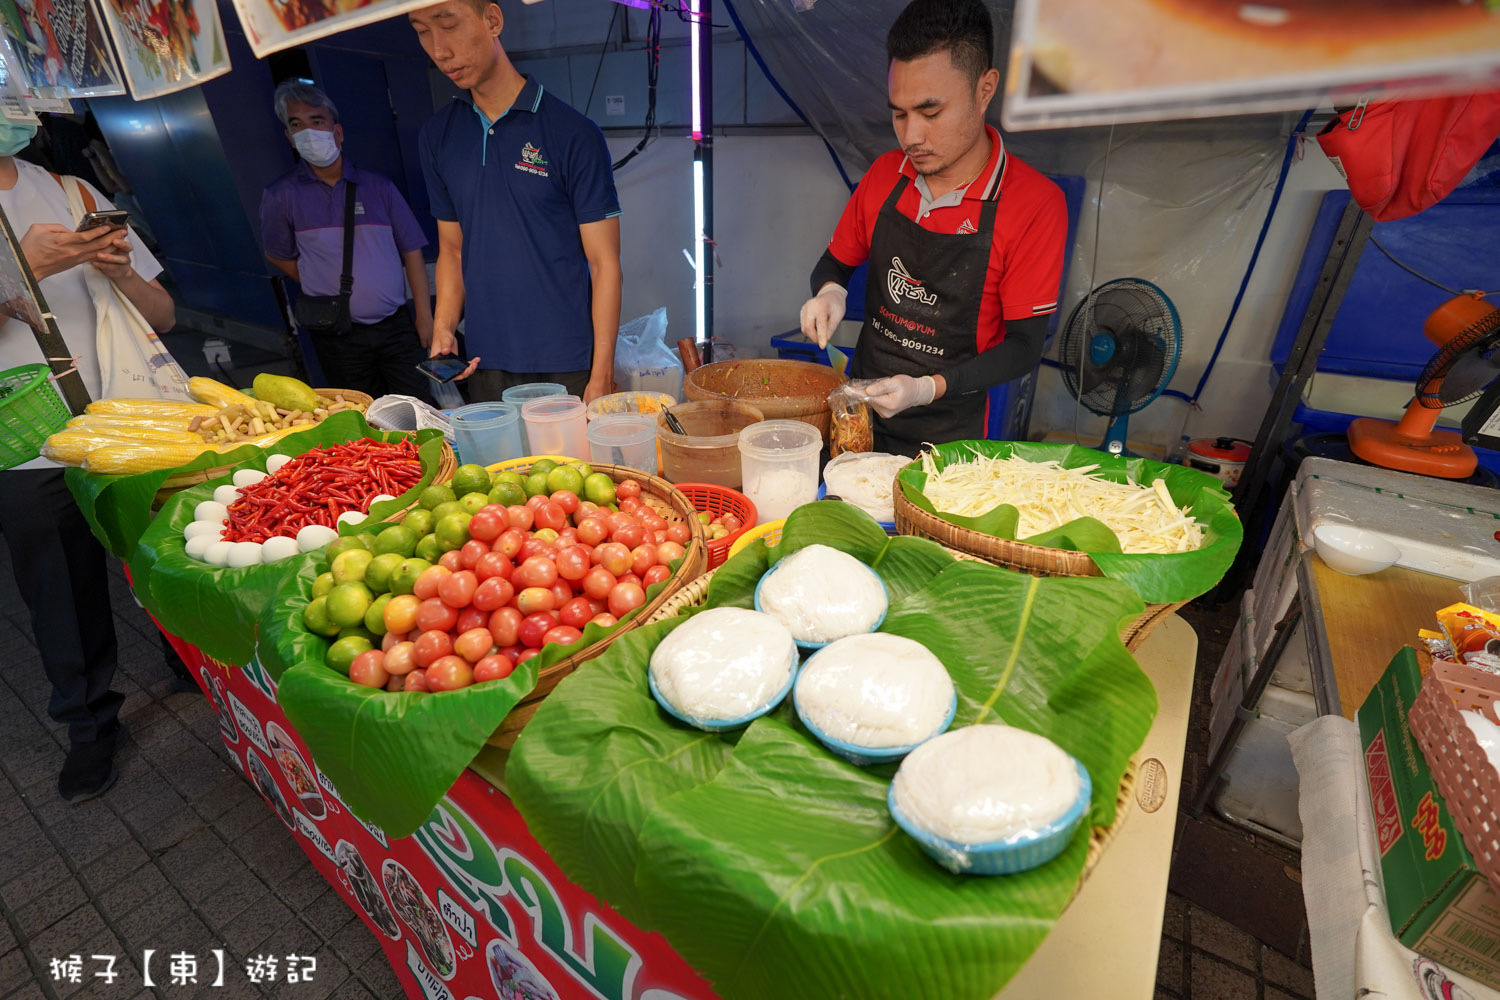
point(317, 487)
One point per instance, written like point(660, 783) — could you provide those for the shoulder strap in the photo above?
point(48, 337)
point(346, 279)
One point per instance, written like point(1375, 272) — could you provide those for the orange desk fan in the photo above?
point(1466, 331)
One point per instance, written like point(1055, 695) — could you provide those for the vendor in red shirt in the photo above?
point(965, 242)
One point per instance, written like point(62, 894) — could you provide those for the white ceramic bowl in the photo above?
point(1352, 550)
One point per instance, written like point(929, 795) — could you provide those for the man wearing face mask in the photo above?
point(302, 228)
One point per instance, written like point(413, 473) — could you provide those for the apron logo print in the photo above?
point(901, 285)
point(967, 228)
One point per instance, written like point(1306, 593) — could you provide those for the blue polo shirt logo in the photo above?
point(531, 161)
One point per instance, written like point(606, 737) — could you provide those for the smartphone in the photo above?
point(442, 369)
point(114, 219)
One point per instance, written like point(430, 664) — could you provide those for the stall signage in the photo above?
point(1388, 828)
point(249, 724)
point(306, 828)
point(433, 988)
point(1428, 822)
point(458, 918)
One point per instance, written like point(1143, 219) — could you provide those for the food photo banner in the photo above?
point(271, 25)
point(166, 45)
point(61, 46)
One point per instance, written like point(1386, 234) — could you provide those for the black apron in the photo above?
point(922, 317)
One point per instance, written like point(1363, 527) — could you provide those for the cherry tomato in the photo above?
point(598, 582)
point(512, 652)
point(642, 558)
point(493, 593)
point(605, 618)
point(474, 645)
point(449, 674)
point(629, 535)
point(489, 523)
point(598, 607)
point(471, 617)
point(400, 613)
point(548, 535)
point(625, 598)
point(492, 564)
point(562, 635)
point(585, 508)
point(562, 592)
point(495, 667)
point(652, 521)
point(534, 627)
point(593, 530)
point(395, 684)
point(627, 489)
point(669, 552)
point(567, 536)
point(534, 599)
point(576, 613)
point(679, 533)
point(415, 681)
point(503, 626)
point(538, 571)
point(368, 669)
point(534, 502)
point(731, 523)
point(614, 557)
point(390, 639)
point(620, 520)
point(430, 647)
point(434, 614)
point(526, 654)
point(656, 574)
point(630, 505)
point(657, 537)
point(520, 517)
point(509, 543)
point(451, 561)
point(473, 550)
point(572, 563)
point(567, 500)
point(426, 586)
point(457, 591)
point(551, 515)
point(400, 659)
point(632, 578)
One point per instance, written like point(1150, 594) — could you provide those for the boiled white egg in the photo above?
point(248, 477)
point(382, 498)
point(275, 462)
point(213, 529)
point(315, 536)
point(217, 554)
point(226, 494)
point(352, 517)
point(196, 548)
point(211, 511)
point(245, 554)
point(278, 548)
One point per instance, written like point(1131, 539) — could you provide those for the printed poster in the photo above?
point(61, 47)
point(272, 25)
point(14, 105)
point(166, 45)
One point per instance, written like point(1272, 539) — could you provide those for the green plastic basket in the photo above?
point(31, 410)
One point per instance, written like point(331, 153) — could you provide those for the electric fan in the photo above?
point(1466, 331)
point(1119, 351)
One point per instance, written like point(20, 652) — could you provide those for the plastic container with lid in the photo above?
point(627, 439)
point(555, 425)
point(634, 401)
point(486, 433)
point(708, 452)
point(779, 466)
point(519, 395)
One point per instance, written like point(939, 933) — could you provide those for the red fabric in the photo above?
point(1031, 230)
point(1400, 157)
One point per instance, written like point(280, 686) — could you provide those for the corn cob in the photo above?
point(207, 390)
point(135, 457)
point(150, 407)
point(71, 447)
point(126, 422)
point(135, 431)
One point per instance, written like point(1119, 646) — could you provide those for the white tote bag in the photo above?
point(133, 362)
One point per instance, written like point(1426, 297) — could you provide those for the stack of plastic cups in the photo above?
point(556, 425)
point(519, 395)
point(627, 439)
point(487, 433)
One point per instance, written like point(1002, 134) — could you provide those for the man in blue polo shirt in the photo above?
point(302, 228)
point(528, 221)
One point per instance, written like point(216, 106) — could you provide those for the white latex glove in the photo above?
point(821, 313)
point(892, 395)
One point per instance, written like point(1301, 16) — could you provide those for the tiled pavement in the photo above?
point(182, 855)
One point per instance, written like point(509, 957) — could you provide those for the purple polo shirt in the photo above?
point(302, 219)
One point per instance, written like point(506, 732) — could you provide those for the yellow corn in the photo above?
point(135, 457)
point(125, 422)
point(207, 390)
point(151, 407)
point(70, 447)
point(135, 430)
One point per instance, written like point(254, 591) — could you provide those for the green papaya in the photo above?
point(285, 392)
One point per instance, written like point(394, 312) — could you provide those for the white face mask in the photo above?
point(316, 147)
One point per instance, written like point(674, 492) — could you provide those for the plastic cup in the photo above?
point(487, 433)
point(520, 395)
point(556, 425)
point(627, 439)
point(779, 466)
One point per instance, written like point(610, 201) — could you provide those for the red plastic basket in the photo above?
point(720, 500)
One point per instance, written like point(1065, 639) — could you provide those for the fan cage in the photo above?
point(1074, 344)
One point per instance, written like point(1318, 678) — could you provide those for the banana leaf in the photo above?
point(1159, 578)
point(786, 851)
point(215, 608)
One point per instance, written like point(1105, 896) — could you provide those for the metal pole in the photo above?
point(703, 174)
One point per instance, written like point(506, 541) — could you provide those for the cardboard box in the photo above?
point(1441, 905)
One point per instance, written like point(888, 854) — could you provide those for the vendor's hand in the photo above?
point(114, 260)
point(52, 249)
point(599, 385)
point(892, 395)
point(821, 313)
point(446, 342)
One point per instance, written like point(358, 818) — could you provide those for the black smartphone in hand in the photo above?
point(114, 219)
point(443, 369)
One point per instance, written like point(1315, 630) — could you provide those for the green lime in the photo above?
point(584, 469)
point(434, 495)
point(357, 630)
point(405, 577)
point(399, 539)
point(343, 652)
point(542, 467)
point(445, 508)
point(508, 494)
point(381, 569)
point(452, 531)
point(419, 521)
point(349, 567)
point(473, 503)
point(348, 543)
point(536, 484)
point(315, 617)
point(375, 617)
point(470, 479)
point(428, 548)
point(564, 477)
point(348, 603)
point(599, 488)
point(323, 584)
point(508, 476)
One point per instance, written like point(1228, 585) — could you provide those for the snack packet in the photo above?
point(852, 429)
point(1474, 635)
point(1436, 643)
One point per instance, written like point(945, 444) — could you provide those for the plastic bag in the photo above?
point(407, 413)
point(853, 429)
point(1483, 594)
point(1474, 635)
point(644, 361)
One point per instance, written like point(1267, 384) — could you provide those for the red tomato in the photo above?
point(534, 626)
point(390, 639)
point(401, 613)
point(585, 508)
point(598, 607)
point(656, 574)
point(434, 614)
point(605, 618)
point(457, 591)
point(563, 635)
point(627, 489)
point(489, 523)
point(576, 613)
point(642, 558)
point(449, 674)
point(451, 561)
point(631, 578)
point(534, 599)
point(394, 684)
point(679, 533)
point(415, 681)
point(368, 669)
point(520, 517)
point(503, 625)
point(509, 543)
point(493, 593)
point(426, 586)
point(652, 521)
point(473, 550)
point(731, 523)
point(567, 536)
point(400, 659)
point(562, 592)
point(572, 563)
point(629, 535)
point(567, 500)
point(526, 654)
point(474, 645)
point(598, 582)
point(534, 502)
point(619, 520)
point(593, 530)
point(669, 552)
point(551, 515)
point(614, 557)
point(625, 598)
point(495, 667)
point(492, 564)
point(471, 617)
point(538, 571)
point(657, 537)
point(533, 546)
point(512, 652)
point(548, 535)
point(431, 647)
point(630, 505)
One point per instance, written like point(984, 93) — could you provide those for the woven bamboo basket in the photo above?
point(668, 501)
point(695, 593)
point(1037, 560)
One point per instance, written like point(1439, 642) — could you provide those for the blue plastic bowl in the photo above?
point(889, 526)
point(720, 725)
point(1020, 853)
point(867, 756)
point(819, 645)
